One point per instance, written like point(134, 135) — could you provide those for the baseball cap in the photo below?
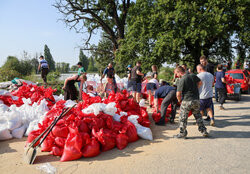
point(129, 66)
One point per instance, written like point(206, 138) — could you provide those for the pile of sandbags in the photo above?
point(93, 126)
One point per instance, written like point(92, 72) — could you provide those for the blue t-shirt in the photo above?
point(44, 63)
point(219, 83)
point(163, 91)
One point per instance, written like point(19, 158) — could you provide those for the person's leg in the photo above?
point(222, 97)
point(195, 107)
point(164, 105)
point(216, 94)
point(210, 113)
point(173, 109)
point(138, 92)
point(115, 85)
point(149, 96)
point(185, 108)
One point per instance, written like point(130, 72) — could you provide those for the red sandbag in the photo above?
point(156, 116)
point(33, 134)
point(60, 142)
point(131, 132)
point(72, 148)
point(85, 138)
point(57, 151)
point(106, 137)
point(121, 141)
point(47, 144)
point(60, 131)
point(92, 149)
point(83, 127)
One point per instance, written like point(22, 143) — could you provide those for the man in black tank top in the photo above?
point(136, 79)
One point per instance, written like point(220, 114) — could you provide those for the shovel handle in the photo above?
point(54, 123)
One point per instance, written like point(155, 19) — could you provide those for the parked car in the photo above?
point(242, 77)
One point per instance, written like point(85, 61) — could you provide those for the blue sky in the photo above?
point(30, 24)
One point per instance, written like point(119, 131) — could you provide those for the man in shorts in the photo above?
point(206, 92)
point(188, 95)
point(136, 79)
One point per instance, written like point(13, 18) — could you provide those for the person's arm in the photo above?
point(103, 74)
point(156, 104)
point(39, 66)
point(223, 80)
point(178, 96)
point(199, 84)
point(155, 75)
point(80, 90)
point(139, 73)
point(48, 66)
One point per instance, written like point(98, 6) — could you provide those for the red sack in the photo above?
point(60, 131)
point(131, 132)
point(92, 149)
point(72, 148)
point(156, 116)
point(85, 138)
point(33, 134)
point(47, 144)
point(57, 151)
point(83, 127)
point(106, 137)
point(60, 142)
point(121, 141)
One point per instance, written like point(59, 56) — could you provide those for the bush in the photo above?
point(7, 75)
point(53, 76)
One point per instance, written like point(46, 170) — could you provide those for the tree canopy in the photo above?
point(84, 59)
point(183, 30)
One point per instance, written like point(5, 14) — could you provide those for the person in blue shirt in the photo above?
point(43, 65)
point(168, 93)
point(220, 85)
point(109, 71)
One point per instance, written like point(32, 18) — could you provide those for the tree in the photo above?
point(92, 67)
point(62, 67)
point(74, 68)
point(183, 30)
point(84, 59)
point(49, 58)
point(108, 16)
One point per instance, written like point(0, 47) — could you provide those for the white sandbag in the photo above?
point(18, 132)
point(110, 109)
point(69, 103)
point(142, 103)
point(143, 132)
point(4, 132)
point(57, 98)
point(3, 108)
point(95, 108)
point(32, 126)
point(117, 117)
point(14, 120)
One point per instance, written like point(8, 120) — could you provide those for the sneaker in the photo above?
point(212, 123)
point(181, 135)
point(222, 108)
point(160, 123)
point(207, 119)
point(205, 134)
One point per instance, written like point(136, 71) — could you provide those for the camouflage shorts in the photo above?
point(186, 107)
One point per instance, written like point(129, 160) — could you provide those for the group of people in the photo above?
point(193, 92)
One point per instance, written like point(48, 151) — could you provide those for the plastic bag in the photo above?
point(60, 131)
point(59, 141)
point(47, 168)
point(4, 133)
point(92, 149)
point(131, 132)
point(72, 148)
point(33, 134)
point(18, 132)
point(47, 144)
point(57, 151)
point(121, 141)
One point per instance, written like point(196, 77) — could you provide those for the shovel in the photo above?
point(31, 151)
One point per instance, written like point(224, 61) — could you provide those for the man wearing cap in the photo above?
point(43, 65)
point(129, 68)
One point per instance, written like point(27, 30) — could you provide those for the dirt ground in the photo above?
point(227, 150)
